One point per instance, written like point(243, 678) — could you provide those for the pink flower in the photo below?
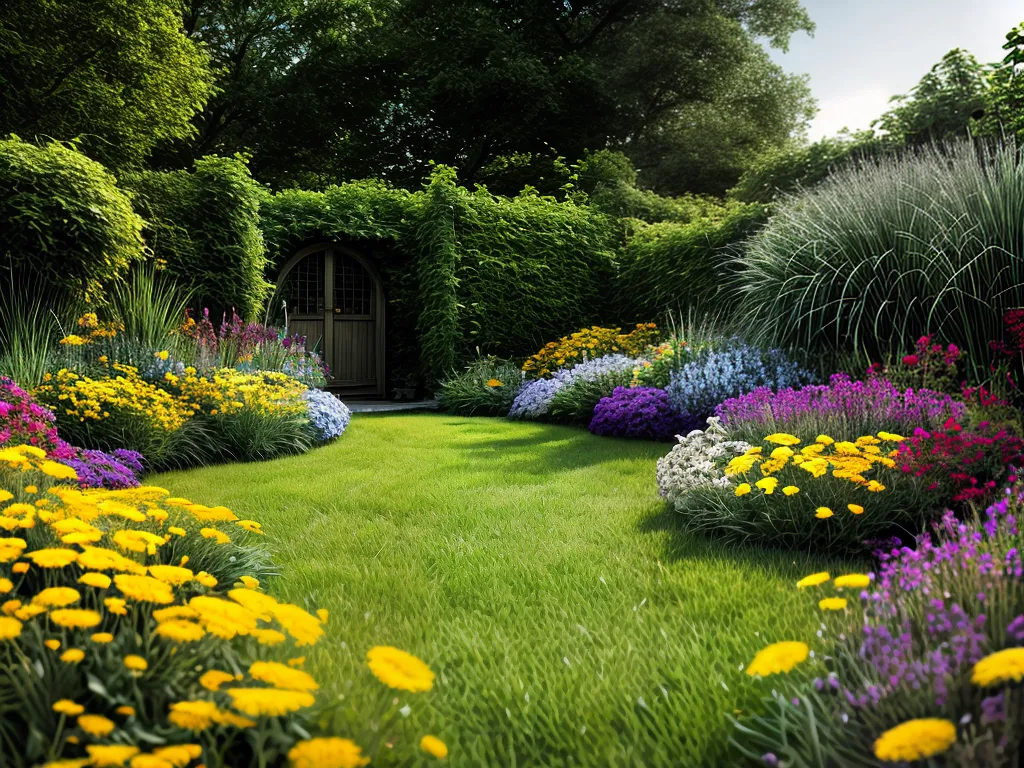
point(910, 360)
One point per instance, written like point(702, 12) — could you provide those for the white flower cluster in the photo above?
point(697, 460)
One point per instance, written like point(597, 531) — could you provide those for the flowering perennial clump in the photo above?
point(697, 462)
point(327, 414)
point(587, 344)
point(639, 412)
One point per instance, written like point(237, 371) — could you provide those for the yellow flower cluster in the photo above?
point(106, 580)
point(126, 393)
point(226, 391)
point(587, 344)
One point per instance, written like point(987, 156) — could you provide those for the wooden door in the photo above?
point(336, 301)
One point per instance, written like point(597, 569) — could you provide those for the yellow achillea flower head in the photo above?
point(10, 628)
point(891, 437)
point(72, 656)
point(743, 489)
point(495, 383)
point(135, 663)
point(282, 676)
point(434, 746)
point(813, 580)
point(180, 631)
point(213, 679)
point(1004, 666)
point(212, 533)
point(67, 707)
point(102, 638)
point(177, 754)
point(332, 752)
point(251, 526)
point(116, 606)
point(398, 669)
point(193, 715)
point(824, 440)
point(832, 603)
point(768, 484)
point(126, 711)
point(56, 597)
point(301, 625)
point(110, 755)
point(856, 509)
point(915, 740)
point(53, 645)
point(171, 574)
point(823, 513)
point(145, 589)
point(854, 580)
point(75, 618)
point(778, 658)
point(57, 471)
point(53, 557)
point(791, 490)
point(98, 580)
point(268, 702)
point(782, 438)
point(95, 725)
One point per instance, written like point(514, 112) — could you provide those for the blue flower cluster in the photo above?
point(534, 399)
point(718, 374)
point(328, 415)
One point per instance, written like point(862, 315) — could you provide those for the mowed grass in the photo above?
point(536, 570)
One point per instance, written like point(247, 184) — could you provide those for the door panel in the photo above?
point(354, 347)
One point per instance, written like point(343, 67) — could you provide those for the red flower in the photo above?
point(910, 360)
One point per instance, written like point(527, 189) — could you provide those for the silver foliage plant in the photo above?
point(697, 461)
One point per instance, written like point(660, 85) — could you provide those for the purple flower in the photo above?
point(640, 412)
point(98, 469)
point(1016, 630)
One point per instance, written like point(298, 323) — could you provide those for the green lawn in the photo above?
point(535, 568)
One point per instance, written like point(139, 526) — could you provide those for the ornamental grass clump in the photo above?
point(843, 406)
point(924, 660)
point(487, 387)
point(820, 494)
point(644, 413)
point(134, 627)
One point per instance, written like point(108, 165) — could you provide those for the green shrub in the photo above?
point(576, 400)
point(670, 266)
point(68, 232)
point(928, 242)
point(486, 387)
point(203, 228)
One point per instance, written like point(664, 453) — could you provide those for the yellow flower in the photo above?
point(824, 440)
point(874, 486)
point(206, 579)
point(250, 525)
point(116, 606)
point(434, 746)
point(72, 656)
point(301, 625)
point(95, 725)
point(180, 631)
point(10, 628)
point(163, 354)
point(193, 715)
point(135, 663)
point(999, 667)
point(495, 383)
point(75, 618)
point(171, 574)
point(32, 489)
point(915, 740)
point(891, 437)
point(832, 603)
point(213, 533)
point(98, 580)
point(768, 485)
point(282, 676)
point(144, 588)
point(249, 582)
point(67, 707)
point(823, 513)
point(322, 614)
point(741, 464)
point(791, 490)
point(177, 531)
point(268, 702)
point(213, 679)
point(856, 509)
point(268, 637)
point(52, 557)
point(110, 755)
point(99, 559)
point(53, 645)
point(56, 597)
point(855, 580)
point(782, 438)
point(743, 489)
point(102, 638)
point(327, 753)
point(778, 657)
point(179, 755)
point(137, 541)
point(57, 471)
point(398, 669)
point(813, 580)
point(126, 711)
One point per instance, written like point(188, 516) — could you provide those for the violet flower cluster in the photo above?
point(859, 404)
point(97, 469)
point(535, 397)
point(328, 416)
point(644, 413)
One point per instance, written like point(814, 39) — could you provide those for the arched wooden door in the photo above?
point(335, 299)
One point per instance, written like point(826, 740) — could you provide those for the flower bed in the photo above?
point(135, 628)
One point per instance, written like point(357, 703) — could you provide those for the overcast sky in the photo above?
point(865, 51)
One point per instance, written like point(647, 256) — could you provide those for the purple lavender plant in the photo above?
point(97, 469)
point(842, 406)
point(644, 413)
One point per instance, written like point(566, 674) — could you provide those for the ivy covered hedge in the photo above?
point(203, 228)
point(67, 231)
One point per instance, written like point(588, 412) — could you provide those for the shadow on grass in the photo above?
point(681, 544)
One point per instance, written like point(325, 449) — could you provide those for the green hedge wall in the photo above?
point(66, 231)
point(680, 267)
point(203, 227)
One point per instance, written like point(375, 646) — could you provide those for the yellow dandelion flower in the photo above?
point(301, 625)
point(110, 755)
point(206, 580)
point(53, 645)
point(915, 740)
point(6, 585)
point(1000, 667)
point(330, 752)
point(102, 638)
point(177, 531)
point(832, 603)
point(251, 526)
point(135, 663)
point(854, 580)
point(398, 669)
point(178, 755)
point(10, 628)
point(813, 580)
point(212, 533)
point(874, 486)
point(67, 707)
point(282, 676)
point(125, 711)
point(434, 746)
point(823, 513)
point(96, 725)
point(72, 656)
point(268, 702)
point(778, 657)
